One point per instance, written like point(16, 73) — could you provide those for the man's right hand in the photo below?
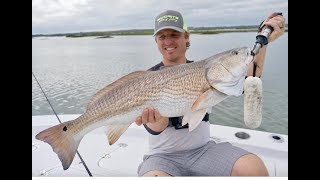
point(152, 118)
point(149, 115)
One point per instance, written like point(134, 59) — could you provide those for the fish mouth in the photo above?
point(250, 57)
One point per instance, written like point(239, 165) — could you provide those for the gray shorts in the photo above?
point(209, 160)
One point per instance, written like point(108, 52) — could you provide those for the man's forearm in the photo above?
point(259, 62)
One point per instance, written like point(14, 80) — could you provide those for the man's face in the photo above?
point(172, 44)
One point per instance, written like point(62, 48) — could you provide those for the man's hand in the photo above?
point(278, 23)
point(153, 120)
point(149, 115)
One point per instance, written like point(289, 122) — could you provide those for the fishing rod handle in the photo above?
point(262, 39)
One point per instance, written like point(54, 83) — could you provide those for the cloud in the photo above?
point(45, 11)
point(60, 16)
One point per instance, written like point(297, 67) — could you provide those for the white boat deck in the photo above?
point(123, 158)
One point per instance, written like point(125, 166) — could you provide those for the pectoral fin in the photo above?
point(201, 99)
point(185, 120)
point(194, 118)
point(208, 99)
point(115, 131)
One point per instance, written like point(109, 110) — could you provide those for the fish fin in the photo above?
point(201, 99)
point(115, 131)
point(123, 79)
point(194, 118)
point(62, 142)
point(209, 98)
point(185, 120)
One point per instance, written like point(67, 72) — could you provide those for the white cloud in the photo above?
point(59, 16)
point(47, 10)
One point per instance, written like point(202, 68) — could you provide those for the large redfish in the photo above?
point(187, 90)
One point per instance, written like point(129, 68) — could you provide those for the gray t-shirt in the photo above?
point(173, 140)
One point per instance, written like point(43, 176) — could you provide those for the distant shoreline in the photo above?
point(198, 30)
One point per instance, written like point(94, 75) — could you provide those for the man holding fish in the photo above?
point(177, 150)
point(172, 100)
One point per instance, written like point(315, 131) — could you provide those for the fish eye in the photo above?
point(234, 52)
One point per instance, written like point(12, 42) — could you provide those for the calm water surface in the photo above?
point(72, 70)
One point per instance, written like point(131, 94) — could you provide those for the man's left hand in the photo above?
point(278, 23)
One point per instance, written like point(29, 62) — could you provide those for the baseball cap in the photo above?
point(170, 19)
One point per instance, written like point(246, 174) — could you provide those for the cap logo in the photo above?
point(167, 18)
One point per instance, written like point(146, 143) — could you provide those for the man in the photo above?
point(174, 151)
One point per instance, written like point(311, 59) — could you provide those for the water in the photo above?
point(72, 70)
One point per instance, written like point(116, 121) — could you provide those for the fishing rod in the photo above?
point(84, 164)
point(253, 90)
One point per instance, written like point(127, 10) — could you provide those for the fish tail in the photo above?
point(62, 141)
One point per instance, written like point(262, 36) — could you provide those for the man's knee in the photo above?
point(249, 165)
point(156, 173)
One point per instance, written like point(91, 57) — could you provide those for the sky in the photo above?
point(68, 16)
